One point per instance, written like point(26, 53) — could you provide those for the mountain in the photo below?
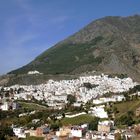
point(109, 45)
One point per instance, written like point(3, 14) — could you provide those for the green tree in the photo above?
point(63, 115)
point(125, 120)
point(130, 113)
point(55, 126)
point(5, 131)
point(71, 99)
point(94, 124)
point(88, 85)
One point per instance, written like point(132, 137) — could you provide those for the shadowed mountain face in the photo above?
point(110, 45)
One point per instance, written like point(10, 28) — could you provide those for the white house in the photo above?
point(105, 126)
point(5, 106)
point(34, 72)
point(99, 111)
point(76, 133)
point(19, 132)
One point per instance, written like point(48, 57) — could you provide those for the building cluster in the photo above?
point(5, 106)
point(54, 93)
point(105, 131)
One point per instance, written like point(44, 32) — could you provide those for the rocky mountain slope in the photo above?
point(109, 45)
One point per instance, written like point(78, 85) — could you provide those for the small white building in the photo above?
point(19, 132)
point(105, 126)
point(99, 111)
point(15, 106)
point(115, 98)
point(34, 72)
point(119, 98)
point(77, 104)
point(35, 121)
point(5, 106)
point(76, 133)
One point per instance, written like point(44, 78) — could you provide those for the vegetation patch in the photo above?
point(124, 107)
point(32, 106)
point(77, 120)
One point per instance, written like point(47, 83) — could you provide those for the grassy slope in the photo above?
point(69, 57)
point(32, 106)
point(124, 107)
point(77, 120)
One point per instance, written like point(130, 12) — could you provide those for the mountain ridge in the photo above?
point(110, 45)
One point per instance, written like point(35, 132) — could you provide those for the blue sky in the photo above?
point(28, 27)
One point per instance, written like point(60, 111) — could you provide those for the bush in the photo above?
point(94, 124)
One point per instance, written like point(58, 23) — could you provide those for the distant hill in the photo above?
point(109, 45)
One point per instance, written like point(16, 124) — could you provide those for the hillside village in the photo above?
point(84, 89)
point(87, 96)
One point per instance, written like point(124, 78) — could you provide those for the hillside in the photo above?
point(109, 45)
